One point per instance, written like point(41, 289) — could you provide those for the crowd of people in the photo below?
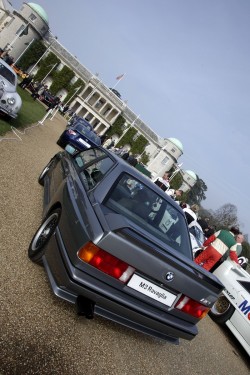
point(39, 90)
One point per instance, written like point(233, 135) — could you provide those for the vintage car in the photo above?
point(233, 305)
point(113, 243)
point(10, 100)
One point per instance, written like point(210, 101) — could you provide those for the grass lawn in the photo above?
point(30, 113)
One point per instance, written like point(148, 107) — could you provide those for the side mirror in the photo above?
point(70, 149)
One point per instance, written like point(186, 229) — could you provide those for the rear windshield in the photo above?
point(151, 212)
point(84, 123)
point(88, 133)
point(7, 74)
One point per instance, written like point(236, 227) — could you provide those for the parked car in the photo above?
point(80, 134)
point(46, 97)
point(77, 119)
point(10, 100)
point(233, 305)
point(116, 93)
point(108, 244)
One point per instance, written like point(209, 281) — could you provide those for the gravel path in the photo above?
point(41, 334)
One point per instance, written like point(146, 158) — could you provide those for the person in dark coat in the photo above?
point(112, 143)
point(54, 103)
point(132, 160)
point(26, 81)
point(103, 138)
point(125, 156)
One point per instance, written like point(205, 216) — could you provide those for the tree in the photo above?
point(138, 146)
point(32, 55)
point(226, 216)
point(144, 159)
point(46, 65)
point(176, 181)
point(197, 193)
point(61, 79)
point(127, 138)
point(223, 218)
point(117, 127)
point(245, 250)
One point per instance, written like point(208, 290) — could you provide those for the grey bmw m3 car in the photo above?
point(113, 243)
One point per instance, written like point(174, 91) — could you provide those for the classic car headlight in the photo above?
point(11, 101)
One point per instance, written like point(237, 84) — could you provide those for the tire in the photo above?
point(61, 143)
point(43, 235)
point(222, 310)
point(44, 173)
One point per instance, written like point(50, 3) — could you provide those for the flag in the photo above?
point(25, 31)
point(120, 77)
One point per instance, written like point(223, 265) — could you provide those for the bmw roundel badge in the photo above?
point(169, 276)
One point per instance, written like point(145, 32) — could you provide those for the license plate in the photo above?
point(151, 290)
point(83, 142)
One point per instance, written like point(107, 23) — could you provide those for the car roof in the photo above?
point(80, 120)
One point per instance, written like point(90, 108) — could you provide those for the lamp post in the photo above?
point(49, 72)
point(130, 126)
point(29, 44)
point(77, 89)
point(176, 171)
point(21, 32)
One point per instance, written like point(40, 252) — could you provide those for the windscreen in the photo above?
point(7, 74)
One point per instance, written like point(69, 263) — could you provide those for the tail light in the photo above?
point(105, 262)
point(192, 307)
point(71, 132)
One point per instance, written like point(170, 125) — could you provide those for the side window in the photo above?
point(96, 172)
point(88, 156)
point(94, 164)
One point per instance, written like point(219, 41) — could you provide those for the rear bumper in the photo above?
point(69, 282)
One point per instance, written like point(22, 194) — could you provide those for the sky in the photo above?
point(187, 76)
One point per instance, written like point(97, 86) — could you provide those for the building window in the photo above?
point(173, 150)
point(32, 17)
point(43, 29)
point(21, 28)
point(188, 178)
point(59, 67)
point(165, 161)
point(99, 103)
point(135, 137)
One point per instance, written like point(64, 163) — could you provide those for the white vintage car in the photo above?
point(10, 100)
point(233, 305)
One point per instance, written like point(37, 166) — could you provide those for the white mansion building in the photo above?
point(96, 102)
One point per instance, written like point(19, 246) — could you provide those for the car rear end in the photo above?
point(80, 137)
point(109, 264)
